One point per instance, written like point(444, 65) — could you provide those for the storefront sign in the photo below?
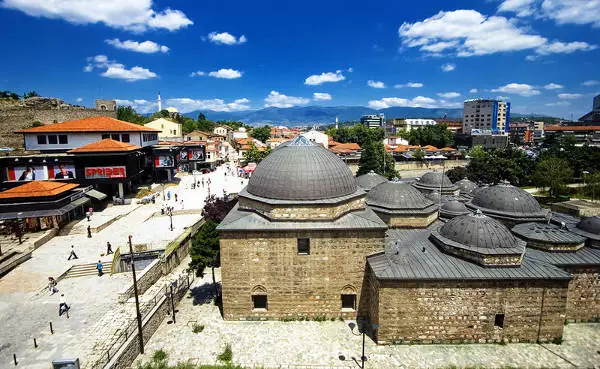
point(163, 161)
point(40, 172)
point(104, 172)
point(197, 155)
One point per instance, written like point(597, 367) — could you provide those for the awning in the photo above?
point(96, 194)
point(45, 213)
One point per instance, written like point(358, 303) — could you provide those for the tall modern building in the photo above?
point(597, 104)
point(482, 116)
point(373, 121)
point(593, 117)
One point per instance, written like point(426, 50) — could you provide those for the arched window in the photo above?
point(102, 107)
point(259, 298)
point(348, 297)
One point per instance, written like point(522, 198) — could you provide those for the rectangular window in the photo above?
point(115, 136)
point(105, 136)
point(63, 140)
point(259, 302)
point(52, 139)
point(303, 246)
point(41, 139)
point(499, 320)
point(125, 137)
point(349, 301)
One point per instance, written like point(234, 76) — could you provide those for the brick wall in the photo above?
point(464, 312)
point(296, 285)
point(583, 304)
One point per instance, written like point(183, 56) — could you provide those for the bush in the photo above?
point(557, 340)
point(197, 328)
point(159, 355)
point(142, 192)
point(226, 356)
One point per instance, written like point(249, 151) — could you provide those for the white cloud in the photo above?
point(147, 47)
point(141, 106)
point(473, 91)
point(226, 38)
point(227, 73)
point(591, 83)
point(417, 102)
point(448, 67)
point(522, 8)
point(553, 86)
point(559, 103)
point(79, 99)
point(410, 85)
point(502, 98)
point(350, 70)
point(116, 70)
point(531, 57)
point(468, 33)
point(448, 95)
point(133, 15)
point(321, 96)
point(519, 89)
point(197, 73)
point(277, 100)
point(569, 96)
point(317, 79)
point(375, 84)
point(186, 104)
point(572, 11)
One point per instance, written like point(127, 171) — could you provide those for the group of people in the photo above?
point(62, 303)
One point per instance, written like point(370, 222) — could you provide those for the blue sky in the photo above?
point(236, 55)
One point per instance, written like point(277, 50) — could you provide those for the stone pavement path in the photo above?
point(26, 310)
point(320, 344)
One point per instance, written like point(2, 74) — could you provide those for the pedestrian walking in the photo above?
point(181, 204)
point(169, 195)
point(162, 210)
point(175, 197)
point(62, 305)
point(109, 248)
point(52, 286)
point(89, 229)
point(72, 254)
point(99, 266)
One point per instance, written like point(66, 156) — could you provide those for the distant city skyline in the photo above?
point(540, 55)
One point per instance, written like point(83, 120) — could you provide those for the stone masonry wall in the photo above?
point(299, 212)
point(395, 221)
point(295, 285)
point(145, 280)
point(583, 304)
point(464, 312)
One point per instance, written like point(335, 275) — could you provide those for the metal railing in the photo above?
point(183, 283)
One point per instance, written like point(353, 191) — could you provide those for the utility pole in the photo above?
point(137, 300)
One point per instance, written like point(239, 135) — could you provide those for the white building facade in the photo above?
point(483, 116)
point(317, 137)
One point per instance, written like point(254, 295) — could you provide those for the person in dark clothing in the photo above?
point(175, 197)
point(62, 306)
point(89, 229)
point(108, 248)
point(72, 254)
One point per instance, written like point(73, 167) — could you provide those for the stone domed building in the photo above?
point(507, 203)
point(466, 187)
point(436, 181)
point(589, 227)
point(401, 205)
point(370, 180)
point(296, 243)
point(452, 208)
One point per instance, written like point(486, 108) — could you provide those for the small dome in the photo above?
point(479, 231)
point(433, 179)
point(302, 170)
point(466, 187)
point(171, 109)
point(397, 195)
point(505, 200)
point(590, 225)
point(453, 208)
point(435, 197)
point(370, 180)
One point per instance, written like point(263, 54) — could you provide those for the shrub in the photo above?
point(142, 192)
point(197, 328)
point(159, 355)
point(227, 355)
point(557, 340)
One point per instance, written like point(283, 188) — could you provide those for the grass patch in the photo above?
point(226, 356)
point(197, 328)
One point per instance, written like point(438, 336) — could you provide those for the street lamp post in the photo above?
point(20, 227)
point(137, 301)
point(362, 329)
point(163, 190)
point(170, 213)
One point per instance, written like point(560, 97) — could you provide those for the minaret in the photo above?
point(159, 102)
point(336, 122)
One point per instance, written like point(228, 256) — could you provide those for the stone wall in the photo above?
point(295, 285)
point(303, 212)
point(583, 304)
point(465, 312)
point(16, 115)
point(397, 221)
point(145, 280)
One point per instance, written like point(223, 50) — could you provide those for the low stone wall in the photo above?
point(415, 165)
point(583, 303)
point(45, 238)
point(145, 280)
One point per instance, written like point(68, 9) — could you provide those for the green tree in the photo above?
point(29, 94)
point(438, 136)
point(9, 95)
point(189, 125)
point(261, 133)
point(161, 114)
point(457, 173)
point(128, 114)
point(201, 117)
point(205, 249)
point(37, 123)
point(254, 155)
point(419, 154)
point(554, 173)
point(372, 159)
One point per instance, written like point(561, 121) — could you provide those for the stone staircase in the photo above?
point(11, 259)
point(83, 270)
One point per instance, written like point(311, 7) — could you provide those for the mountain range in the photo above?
point(300, 116)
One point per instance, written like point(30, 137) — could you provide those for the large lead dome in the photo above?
point(302, 170)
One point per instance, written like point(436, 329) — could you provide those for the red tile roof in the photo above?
point(430, 148)
point(572, 128)
point(37, 189)
point(92, 124)
point(348, 146)
point(106, 145)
